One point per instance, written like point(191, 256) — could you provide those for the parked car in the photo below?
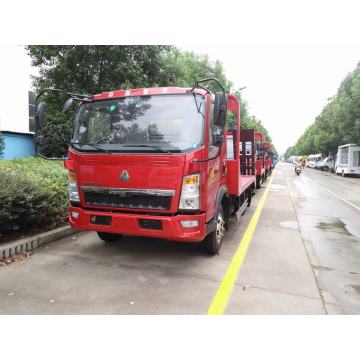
point(328, 164)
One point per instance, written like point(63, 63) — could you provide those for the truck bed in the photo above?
point(246, 181)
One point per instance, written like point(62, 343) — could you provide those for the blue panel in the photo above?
point(18, 146)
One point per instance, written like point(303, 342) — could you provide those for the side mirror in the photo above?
point(40, 115)
point(220, 108)
point(68, 104)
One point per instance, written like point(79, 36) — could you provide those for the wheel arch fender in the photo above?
point(222, 200)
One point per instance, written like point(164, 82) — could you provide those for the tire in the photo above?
point(213, 241)
point(343, 174)
point(109, 237)
point(258, 182)
point(326, 168)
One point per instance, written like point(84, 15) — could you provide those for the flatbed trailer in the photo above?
point(247, 152)
point(260, 160)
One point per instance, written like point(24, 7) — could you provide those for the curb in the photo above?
point(30, 243)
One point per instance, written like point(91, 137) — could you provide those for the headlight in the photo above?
point(73, 188)
point(190, 193)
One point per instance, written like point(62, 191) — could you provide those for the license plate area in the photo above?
point(100, 220)
point(150, 224)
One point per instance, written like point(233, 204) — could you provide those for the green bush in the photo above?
point(33, 194)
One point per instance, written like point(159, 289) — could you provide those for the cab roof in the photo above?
point(147, 91)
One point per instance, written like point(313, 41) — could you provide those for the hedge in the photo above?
point(33, 194)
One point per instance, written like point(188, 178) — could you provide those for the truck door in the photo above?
point(214, 169)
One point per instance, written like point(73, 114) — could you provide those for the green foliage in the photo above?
point(188, 67)
point(339, 121)
point(2, 146)
point(33, 193)
point(291, 151)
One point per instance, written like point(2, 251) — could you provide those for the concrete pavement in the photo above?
point(276, 277)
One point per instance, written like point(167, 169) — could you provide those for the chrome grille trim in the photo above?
point(125, 191)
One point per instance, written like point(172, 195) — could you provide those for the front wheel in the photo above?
point(213, 241)
point(326, 168)
point(109, 237)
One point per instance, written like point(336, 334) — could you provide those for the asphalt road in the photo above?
point(328, 210)
point(303, 259)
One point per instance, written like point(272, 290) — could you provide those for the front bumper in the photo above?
point(128, 224)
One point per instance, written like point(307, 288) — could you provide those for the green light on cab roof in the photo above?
point(112, 107)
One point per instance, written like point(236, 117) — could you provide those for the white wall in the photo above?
point(14, 87)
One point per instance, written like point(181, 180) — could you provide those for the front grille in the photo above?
point(128, 198)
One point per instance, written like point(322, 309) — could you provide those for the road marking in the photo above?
point(343, 199)
point(223, 294)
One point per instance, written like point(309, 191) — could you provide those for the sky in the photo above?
point(287, 84)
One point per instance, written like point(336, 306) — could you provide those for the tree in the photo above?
point(291, 151)
point(339, 121)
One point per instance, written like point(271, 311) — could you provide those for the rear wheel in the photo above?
point(213, 241)
point(258, 182)
point(326, 168)
point(109, 237)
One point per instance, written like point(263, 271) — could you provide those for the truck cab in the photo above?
point(154, 162)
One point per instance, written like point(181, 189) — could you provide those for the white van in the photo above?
point(313, 160)
point(328, 164)
point(348, 160)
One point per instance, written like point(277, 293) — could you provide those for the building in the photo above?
point(16, 103)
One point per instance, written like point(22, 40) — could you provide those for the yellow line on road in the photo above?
point(343, 199)
point(223, 294)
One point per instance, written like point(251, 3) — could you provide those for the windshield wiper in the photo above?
point(93, 145)
point(198, 108)
point(148, 146)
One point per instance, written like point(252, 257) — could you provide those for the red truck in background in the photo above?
point(260, 160)
point(267, 159)
point(155, 162)
point(247, 152)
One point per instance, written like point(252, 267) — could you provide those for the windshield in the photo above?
point(161, 122)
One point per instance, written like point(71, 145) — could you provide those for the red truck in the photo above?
point(155, 162)
point(260, 160)
point(247, 152)
point(267, 158)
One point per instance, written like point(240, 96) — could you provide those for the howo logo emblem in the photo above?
point(124, 176)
